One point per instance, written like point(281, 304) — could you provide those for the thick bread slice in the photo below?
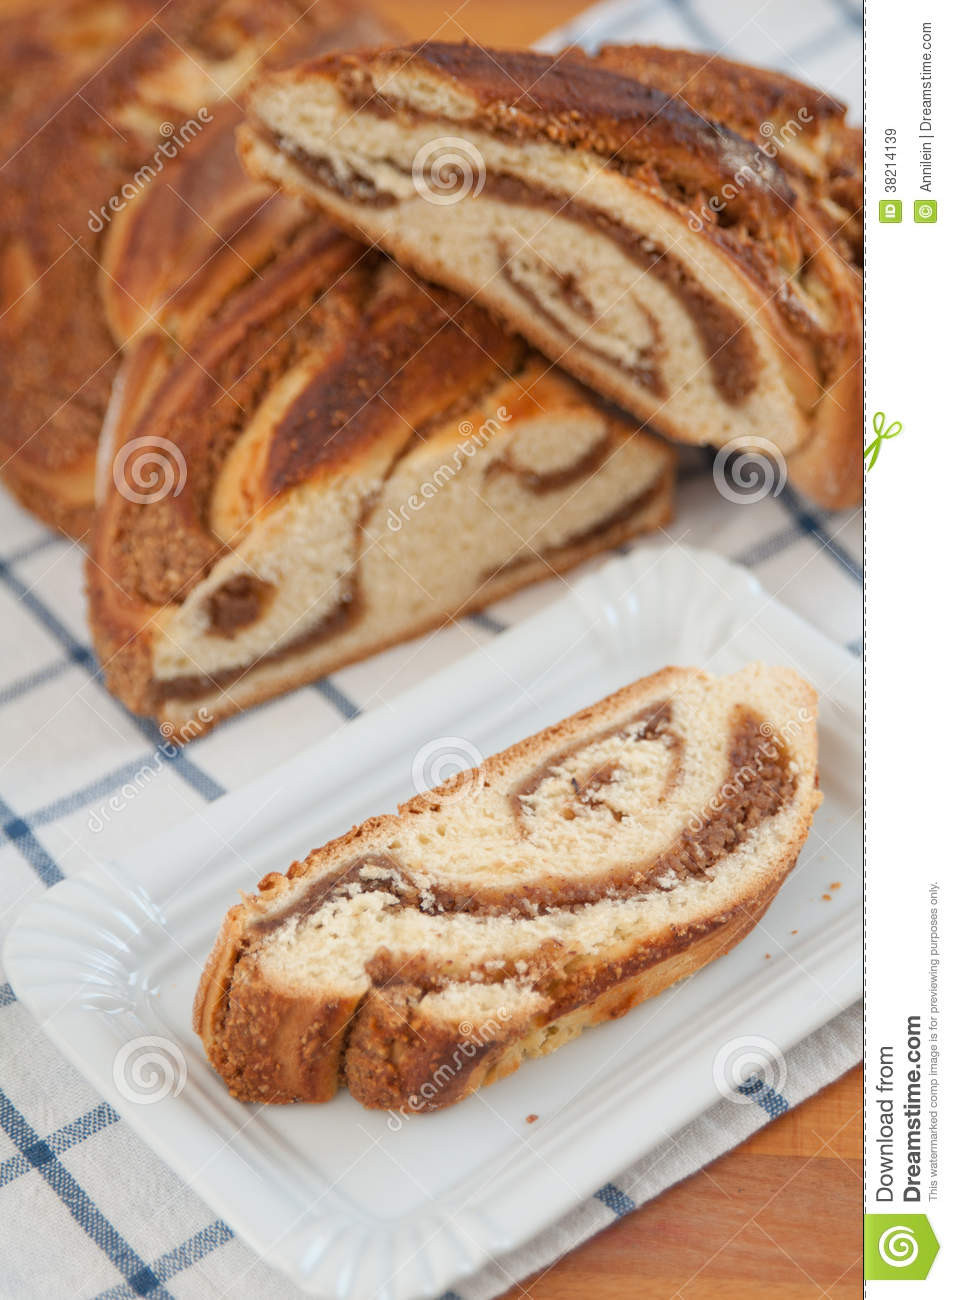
point(557, 885)
point(337, 459)
point(634, 216)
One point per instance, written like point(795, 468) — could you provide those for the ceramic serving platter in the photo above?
point(360, 1205)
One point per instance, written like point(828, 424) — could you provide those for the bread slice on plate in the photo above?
point(493, 918)
point(335, 458)
point(678, 231)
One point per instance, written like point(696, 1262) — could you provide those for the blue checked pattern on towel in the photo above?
point(86, 1209)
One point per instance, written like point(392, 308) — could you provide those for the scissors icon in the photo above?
point(883, 432)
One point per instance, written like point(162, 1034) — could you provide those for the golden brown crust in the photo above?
point(58, 352)
point(572, 101)
point(757, 104)
point(386, 1045)
point(723, 90)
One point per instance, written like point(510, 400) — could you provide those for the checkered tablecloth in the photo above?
point(86, 1209)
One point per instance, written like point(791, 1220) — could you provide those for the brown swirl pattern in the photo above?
point(723, 334)
point(757, 782)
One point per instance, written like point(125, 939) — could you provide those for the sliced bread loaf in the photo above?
point(340, 458)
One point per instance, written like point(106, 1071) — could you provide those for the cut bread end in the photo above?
point(715, 322)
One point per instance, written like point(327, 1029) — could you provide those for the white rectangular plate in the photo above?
point(356, 1204)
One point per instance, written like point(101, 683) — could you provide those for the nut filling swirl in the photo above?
point(723, 333)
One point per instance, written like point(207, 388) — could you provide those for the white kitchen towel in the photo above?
point(85, 1207)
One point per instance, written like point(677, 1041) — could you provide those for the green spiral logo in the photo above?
point(898, 1247)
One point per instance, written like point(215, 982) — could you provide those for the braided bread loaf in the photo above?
point(46, 48)
point(107, 104)
point(678, 231)
point(559, 884)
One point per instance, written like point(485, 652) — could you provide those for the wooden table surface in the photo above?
point(778, 1218)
